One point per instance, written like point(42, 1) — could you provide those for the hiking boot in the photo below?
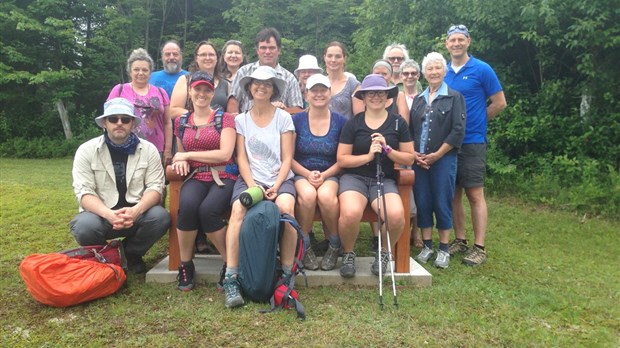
point(310, 262)
point(135, 264)
point(425, 255)
point(232, 292)
point(220, 283)
point(443, 259)
point(330, 259)
point(475, 257)
point(383, 257)
point(348, 265)
point(186, 276)
point(457, 246)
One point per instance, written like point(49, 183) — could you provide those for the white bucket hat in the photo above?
point(308, 62)
point(117, 106)
point(264, 73)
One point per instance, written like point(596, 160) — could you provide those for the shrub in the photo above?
point(45, 147)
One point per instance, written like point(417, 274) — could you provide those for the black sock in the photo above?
point(443, 246)
point(479, 246)
point(428, 243)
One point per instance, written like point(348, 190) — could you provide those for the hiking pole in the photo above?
point(389, 242)
point(379, 183)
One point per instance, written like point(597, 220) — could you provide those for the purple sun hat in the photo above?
point(376, 82)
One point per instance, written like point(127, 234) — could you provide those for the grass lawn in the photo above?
point(552, 280)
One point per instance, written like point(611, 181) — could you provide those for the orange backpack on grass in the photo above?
point(74, 276)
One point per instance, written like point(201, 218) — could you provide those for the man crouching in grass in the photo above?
point(118, 181)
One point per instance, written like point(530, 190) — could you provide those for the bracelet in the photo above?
point(387, 149)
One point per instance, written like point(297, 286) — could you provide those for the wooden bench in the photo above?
point(404, 178)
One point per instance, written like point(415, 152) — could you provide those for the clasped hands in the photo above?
point(122, 218)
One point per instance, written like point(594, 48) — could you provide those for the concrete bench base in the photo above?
point(208, 271)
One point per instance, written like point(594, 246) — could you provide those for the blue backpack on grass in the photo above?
point(259, 266)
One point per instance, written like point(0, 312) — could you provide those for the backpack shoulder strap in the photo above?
point(182, 122)
point(161, 93)
point(217, 119)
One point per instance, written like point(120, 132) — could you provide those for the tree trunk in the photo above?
point(64, 118)
point(584, 106)
point(185, 25)
point(164, 5)
point(146, 27)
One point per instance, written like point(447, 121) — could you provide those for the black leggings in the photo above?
point(202, 205)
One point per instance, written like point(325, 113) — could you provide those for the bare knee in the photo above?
point(475, 196)
point(306, 198)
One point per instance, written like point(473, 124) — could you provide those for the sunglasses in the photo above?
point(457, 27)
point(379, 94)
point(114, 119)
point(395, 59)
point(409, 74)
point(265, 83)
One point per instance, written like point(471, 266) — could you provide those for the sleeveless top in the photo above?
point(342, 102)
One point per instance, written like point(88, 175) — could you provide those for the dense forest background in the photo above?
point(558, 141)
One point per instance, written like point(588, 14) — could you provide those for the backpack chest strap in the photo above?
point(207, 168)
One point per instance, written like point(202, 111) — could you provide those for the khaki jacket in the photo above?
point(93, 172)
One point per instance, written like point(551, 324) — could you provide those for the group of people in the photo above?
point(233, 132)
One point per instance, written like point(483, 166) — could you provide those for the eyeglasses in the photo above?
point(379, 94)
point(410, 73)
point(114, 119)
point(264, 83)
point(205, 55)
point(395, 59)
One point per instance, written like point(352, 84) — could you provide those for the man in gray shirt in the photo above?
point(268, 44)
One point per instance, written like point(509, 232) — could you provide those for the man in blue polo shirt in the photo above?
point(172, 58)
point(478, 83)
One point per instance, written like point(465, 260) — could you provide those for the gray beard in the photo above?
point(172, 68)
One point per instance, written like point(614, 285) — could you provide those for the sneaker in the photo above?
point(220, 283)
point(475, 257)
point(310, 262)
point(330, 259)
point(348, 265)
point(425, 255)
point(457, 246)
point(186, 276)
point(385, 258)
point(135, 264)
point(232, 292)
point(443, 259)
